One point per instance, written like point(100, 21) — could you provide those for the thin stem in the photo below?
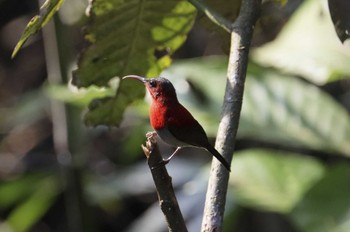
point(214, 16)
point(241, 36)
point(66, 129)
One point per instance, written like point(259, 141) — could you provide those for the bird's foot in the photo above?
point(161, 164)
point(151, 134)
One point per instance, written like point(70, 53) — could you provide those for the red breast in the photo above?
point(170, 114)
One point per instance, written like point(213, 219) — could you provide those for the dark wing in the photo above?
point(193, 134)
point(196, 136)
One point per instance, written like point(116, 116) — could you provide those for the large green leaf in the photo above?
point(124, 36)
point(276, 108)
point(308, 46)
point(284, 109)
point(272, 180)
point(326, 207)
point(49, 8)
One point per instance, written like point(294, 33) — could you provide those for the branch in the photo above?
point(66, 128)
point(214, 16)
point(165, 190)
point(241, 36)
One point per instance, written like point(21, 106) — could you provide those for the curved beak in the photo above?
point(139, 78)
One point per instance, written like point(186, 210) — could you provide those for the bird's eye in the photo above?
point(152, 83)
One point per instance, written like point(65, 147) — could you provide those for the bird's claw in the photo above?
point(151, 134)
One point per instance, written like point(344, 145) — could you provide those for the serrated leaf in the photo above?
point(124, 36)
point(326, 207)
point(339, 10)
point(48, 9)
point(307, 46)
point(273, 181)
point(276, 108)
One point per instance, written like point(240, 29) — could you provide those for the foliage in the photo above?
point(49, 8)
point(326, 207)
point(142, 28)
point(272, 180)
point(277, 107)
point(33, 195)
point(305, 39)
point(294, 134)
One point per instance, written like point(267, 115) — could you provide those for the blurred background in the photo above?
point(291, 169)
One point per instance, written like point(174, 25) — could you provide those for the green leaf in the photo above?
point(326, 207)
point(16, 190)
point(307, 46)
point(281, 2)
point(125, 35)
point(48, 9)
point(273, 181)
point(277, 108)
point(35, 206)
point(79, 97)
point(286, 110)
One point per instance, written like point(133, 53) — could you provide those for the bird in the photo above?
point(172, 122)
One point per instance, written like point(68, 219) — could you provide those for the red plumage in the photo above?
point(173, 123)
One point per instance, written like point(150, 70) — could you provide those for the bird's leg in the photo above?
point(166, 161)
point(172, 155)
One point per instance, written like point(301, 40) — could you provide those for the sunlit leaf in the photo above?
point(48, 9)
point(124, 36)
point(272, 180)
point(276, 108)
point(282, 2)
point(326, 207)
point(79, 97)
point(308, 46)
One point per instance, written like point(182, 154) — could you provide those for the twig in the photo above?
point(166, 195)
point(241, 36)
point(67, 133)
point(214, 16)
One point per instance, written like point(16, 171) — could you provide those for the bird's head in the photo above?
point(160, 88)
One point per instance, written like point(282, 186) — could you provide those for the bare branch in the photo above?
point(241, 36)
point(166, 195)
point(214, 16)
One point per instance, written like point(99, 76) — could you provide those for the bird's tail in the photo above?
point(218, 156)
